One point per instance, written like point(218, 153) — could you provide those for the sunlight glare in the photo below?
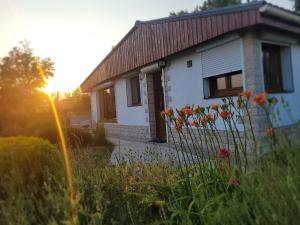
point(51, 86)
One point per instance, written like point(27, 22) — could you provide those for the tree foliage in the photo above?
point(297, 5)
point(20, 81)
point(208, 4)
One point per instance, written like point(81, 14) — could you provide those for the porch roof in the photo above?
point(153, 40)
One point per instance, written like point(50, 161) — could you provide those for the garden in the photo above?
point(233, 177)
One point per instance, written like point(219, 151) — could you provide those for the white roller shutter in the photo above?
point(222, 59)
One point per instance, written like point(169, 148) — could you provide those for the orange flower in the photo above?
point(215, 106)
point(179, 123)
point(269, 132)
point(204, 122)
point(225, 115)
point(195, 124)
point(210, 117)
point(187, 110)
point(246, 94)
point(168, 112)
point(261, 99)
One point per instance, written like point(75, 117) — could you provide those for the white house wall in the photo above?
point(186, 84)
point(128, 115)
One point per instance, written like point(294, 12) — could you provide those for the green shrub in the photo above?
point(79, 137)
point(32, 189)
point(100, 136)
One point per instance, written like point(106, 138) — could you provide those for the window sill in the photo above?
point(221, 96)
point(280, 92)
point(135, 105)
point(109, 120)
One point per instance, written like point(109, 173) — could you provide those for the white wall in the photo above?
point(128, 115)
point(187, 83)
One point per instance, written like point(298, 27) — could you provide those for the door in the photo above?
point(159, 105)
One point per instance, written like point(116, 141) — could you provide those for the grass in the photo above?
point(221, 190)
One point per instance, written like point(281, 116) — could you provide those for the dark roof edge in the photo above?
point(210, 12)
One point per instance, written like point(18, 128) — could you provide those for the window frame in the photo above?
point(282, 88)
point(130, 81)
point(103, 105)
point(228, 91)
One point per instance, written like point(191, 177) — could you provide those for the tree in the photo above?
point(179, 13)
point(20, 83)
point(211, 4)
point(208, 4)
point(297, 5)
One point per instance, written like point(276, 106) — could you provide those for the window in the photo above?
point(226, 85)
point(133, 91)
point(107, 105)
point(277, 68)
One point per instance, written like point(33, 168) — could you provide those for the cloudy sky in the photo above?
point(77, 34)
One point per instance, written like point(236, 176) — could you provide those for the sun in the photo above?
point(51, 86)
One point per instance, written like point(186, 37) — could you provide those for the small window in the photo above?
point(133, 91)
point(226, 85)
point(189, 63)
point(107, 105)
point(277, 68)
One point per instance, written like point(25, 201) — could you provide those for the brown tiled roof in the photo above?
point(153, 40)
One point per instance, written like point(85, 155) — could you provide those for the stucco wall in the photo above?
point(127, 115)
point(186, 85)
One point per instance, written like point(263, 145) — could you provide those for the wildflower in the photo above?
point(234, 181)
point(224, 153)
point(167, 112)
point(269, 132)
point(246, 94)
point(215, 106)
point(210, 117)
point(225, 115)
point(199, 110)
point(187, 110)
point(195, 124)
point(179, 123)
point(261, 99)
point(204, 122)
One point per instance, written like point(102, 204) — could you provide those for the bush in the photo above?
point(79, 137)
point(32, 181)
point(100, 136)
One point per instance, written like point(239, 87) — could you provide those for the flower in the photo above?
point(167, 112)
point(225, 115)
point(199, 110)
point(187, 110)
point(261, 99)
point(246, 94)
point(195, 124)
point(234, 181)
point(215, 106)
point(204, 122)
point(179, 123)
point(210, 117)
point(224, 153)
point(269, 132)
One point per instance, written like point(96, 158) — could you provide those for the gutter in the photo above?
point(270, 10)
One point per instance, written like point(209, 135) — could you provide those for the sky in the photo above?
point(78, 34)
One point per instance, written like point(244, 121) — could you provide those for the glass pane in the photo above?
point(221, 83)
point(135, 91)
point(236, 81)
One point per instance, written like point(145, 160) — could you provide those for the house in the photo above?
point(195, 59)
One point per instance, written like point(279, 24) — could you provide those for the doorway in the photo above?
point(159, 106)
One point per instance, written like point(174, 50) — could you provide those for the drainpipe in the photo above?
point(165, 105)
